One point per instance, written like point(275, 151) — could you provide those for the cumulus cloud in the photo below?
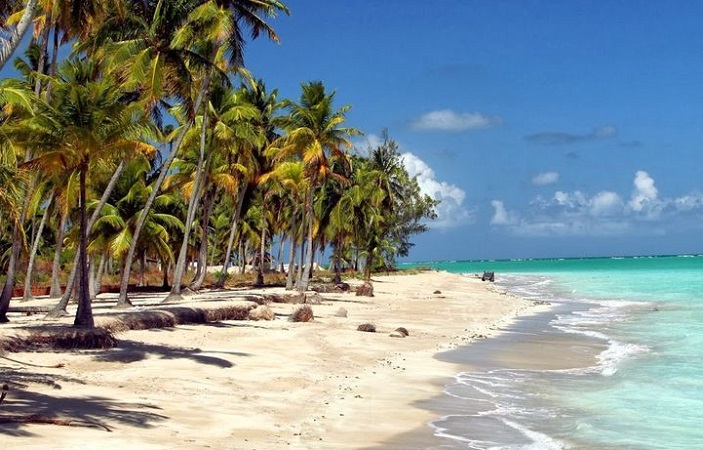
point(451, 210)
point(578, 213)
point(561, 138)
point(605, 204)
point(545, 178)
point(644, 197)
point(448, 120)
point(501, 216)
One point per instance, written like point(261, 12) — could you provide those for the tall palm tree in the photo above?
point(244, 14)
point(16, 104)
point(87, 122)
point(315, 135)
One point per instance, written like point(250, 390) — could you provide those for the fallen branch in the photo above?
point(35, 418)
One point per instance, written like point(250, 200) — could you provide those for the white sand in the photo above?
point(261, 385)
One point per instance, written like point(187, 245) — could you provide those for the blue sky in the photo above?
point(547, 129)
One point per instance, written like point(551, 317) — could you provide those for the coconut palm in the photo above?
point(315, 135)
point(243, 13)
point(86, 123)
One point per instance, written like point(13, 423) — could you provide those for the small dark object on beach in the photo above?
point(490, 276)
point(402, 330)
point(437, 292)
point(302, 314)
point(365, 290)
point(368, 327)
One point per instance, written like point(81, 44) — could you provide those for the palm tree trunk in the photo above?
point(8, 46)
point(232, 233)
point(84, 315)
point(281, 246)
point(199, 183)
point(262, 257)
point(33, 252)
point(18, 241)
point(165, 265)
point(291, 265)
point(55, 291)
point(202, 257)
point(243, 250)
point(123, 300)
point(60, 308)
point(6, 295)
point(97, 279)
point(305, 278)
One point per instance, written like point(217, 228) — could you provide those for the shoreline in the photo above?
point(245, 384)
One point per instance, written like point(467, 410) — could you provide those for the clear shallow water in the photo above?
point(646, 390)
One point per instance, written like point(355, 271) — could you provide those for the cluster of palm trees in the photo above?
point(137, 146)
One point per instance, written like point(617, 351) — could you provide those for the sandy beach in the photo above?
point(259, 384)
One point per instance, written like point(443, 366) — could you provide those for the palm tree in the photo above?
point(316, 136)
point(10, 44)
point(16, 102)
point(291, 184)
point(87, 122)
point(174, 42)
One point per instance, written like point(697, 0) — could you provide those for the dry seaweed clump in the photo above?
point(302, 314)
point(262, 312)
point(70, 338)
point(367, 327)
point(365, 290)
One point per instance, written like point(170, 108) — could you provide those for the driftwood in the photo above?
point(30, 309)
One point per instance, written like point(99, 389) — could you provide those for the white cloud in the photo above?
point(603, 214)
point(450, 211)
point(500, 215)
point(606, 204)
point(448, 120)
point(644, 197)
point(605, 131)
point(545, 178)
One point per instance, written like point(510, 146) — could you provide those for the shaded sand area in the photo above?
point(256, 384)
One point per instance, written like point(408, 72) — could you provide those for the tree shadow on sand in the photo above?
point(77, 411)
point(131, 351)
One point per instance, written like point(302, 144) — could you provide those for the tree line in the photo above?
point(149, 141)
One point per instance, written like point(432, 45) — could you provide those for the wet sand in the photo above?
point(528, 344)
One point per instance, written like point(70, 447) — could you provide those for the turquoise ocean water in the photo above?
point(645, 391)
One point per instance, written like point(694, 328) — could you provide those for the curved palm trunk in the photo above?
point(175, 294)
point(232, 233)
point(84, 315)
point(55, 291)
point(123, 300)
point(8, 46)
point(202, 257)
point(33, 253)
point(60, 308)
